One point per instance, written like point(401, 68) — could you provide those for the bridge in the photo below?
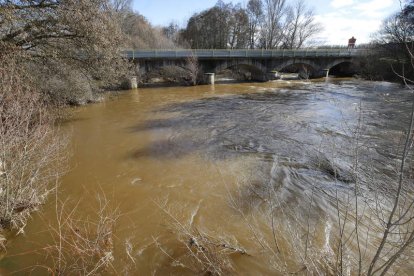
point(258, 64)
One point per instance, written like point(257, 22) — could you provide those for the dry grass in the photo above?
point(83, 246)
point(201, 253)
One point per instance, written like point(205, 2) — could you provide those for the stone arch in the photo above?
point(256, 69)
point(305, 68)
point(338, 62)
point(344, 67)
point(290, 62)
point(174, 73)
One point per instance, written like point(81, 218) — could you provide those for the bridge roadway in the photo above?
point(258, 63)
point(237, 53)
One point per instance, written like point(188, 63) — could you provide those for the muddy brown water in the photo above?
point(193, 149)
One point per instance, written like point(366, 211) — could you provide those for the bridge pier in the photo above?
point(209, 78)
point(133, 83)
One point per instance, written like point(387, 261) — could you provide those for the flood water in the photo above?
point(240, 163)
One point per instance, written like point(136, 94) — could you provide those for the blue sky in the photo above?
point(340, 19)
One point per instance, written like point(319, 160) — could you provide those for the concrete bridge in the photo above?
point(259, 65)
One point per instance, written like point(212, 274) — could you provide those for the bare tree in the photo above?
point(209, 29)
point(140, 34)
point(193, 69)
point(121, 5)
point(81, 35)
point(255, 14)
point(31, 152)
point(172, 32)
point(394, 42)
point(238, 28)
point(272, 27)
point(300, 26)
point(266, 24)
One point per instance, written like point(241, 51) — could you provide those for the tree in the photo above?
point(31, 151)
point(265, 24)
point(255, 14)
point(395, 45)
point(210, 28)
point(396, 29)
point(81, 29)
point(171, 31)
point(121, 5)
point(272, 27)
point(79, 35)
point(408, 13)
point(220, 27)
point(238, 28)
point(300, 26)
point(193, 69)
point(140, 34)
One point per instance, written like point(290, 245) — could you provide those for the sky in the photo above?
point(340, 19)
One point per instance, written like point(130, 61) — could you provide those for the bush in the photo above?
point(30, 149)
point(60, 84)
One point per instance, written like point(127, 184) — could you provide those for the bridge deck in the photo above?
point(219, 53)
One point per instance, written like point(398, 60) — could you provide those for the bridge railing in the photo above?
point(225, 53)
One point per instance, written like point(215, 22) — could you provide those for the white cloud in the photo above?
point(338, 28)
point(341, 3)
point(374, 8)
point(348, 18)
point(374, 5)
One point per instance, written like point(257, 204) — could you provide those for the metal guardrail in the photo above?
point(223, 53)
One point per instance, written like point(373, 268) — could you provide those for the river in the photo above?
point(246, 168)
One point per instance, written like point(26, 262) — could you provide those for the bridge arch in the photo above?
point(256, 70)
point(342, 67)
point(338, 62)
point(291, 62)
point(165, 73)
point(305, 66)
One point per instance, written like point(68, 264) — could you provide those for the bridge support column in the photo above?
point(133, 83)
point(210, 78)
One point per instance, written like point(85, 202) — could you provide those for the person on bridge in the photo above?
point(351, 42)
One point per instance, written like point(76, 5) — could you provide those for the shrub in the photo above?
point(30, 149)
